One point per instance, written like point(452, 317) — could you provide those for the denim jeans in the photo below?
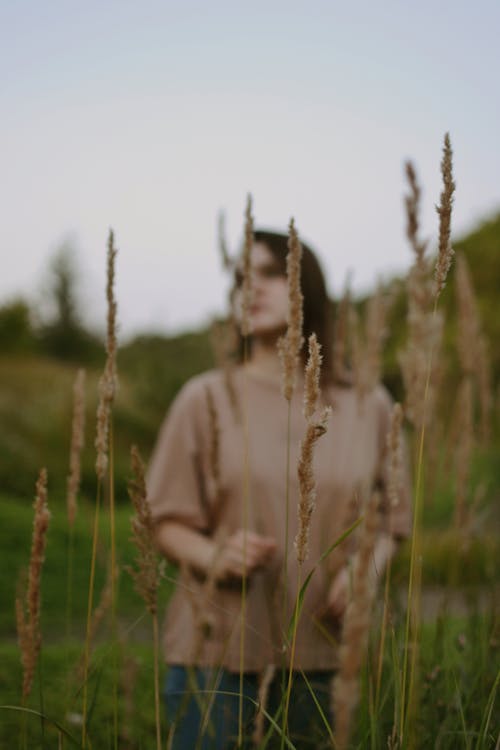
point(202, 708)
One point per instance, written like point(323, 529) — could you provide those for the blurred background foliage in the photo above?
point(42, 350)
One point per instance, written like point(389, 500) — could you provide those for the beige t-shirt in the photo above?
point(350, 460)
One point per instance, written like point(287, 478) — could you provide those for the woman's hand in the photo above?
point(224, 560)
point(340, 588)
point(243, 554)
point(338, 597)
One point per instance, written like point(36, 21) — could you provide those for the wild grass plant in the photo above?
point(407, 678)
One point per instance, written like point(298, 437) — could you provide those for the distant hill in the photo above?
point(482, 250)
point(36, 403)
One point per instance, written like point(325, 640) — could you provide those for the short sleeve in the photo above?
point(397, 514)
point(175, 478)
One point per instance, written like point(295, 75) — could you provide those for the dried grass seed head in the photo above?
point(77, 443)
point(412, 203)
point(214, 432)
point(445, 250)
point(341, 338)
point(146, 575)
point(111, 299)
point(395, 449)
point(312, 377)
point(307, 484)
point(290, 345)
point(246, 288)
point(108, 381)
point(28, 614)
point(227, 261)
point(356, 625)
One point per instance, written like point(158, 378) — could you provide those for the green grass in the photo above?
point(62, 697)
point(478, 564)
point(15, 539)
point(459, 663)
point(459, 657)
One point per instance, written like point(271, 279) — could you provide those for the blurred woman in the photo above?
point(225, 525)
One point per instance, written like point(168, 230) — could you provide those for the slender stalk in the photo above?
point(40, 695)
point(90, 599)
point(285, 553)
point(289, 347)
point(247, 292)
point(246, 480)
point(292, 658)
point(383, 631)
point(69, 602)
point(156, 650)
point(394, 448)
point(69, 583)
point(445, 254)
point(414, 581)
point(146, 574)
point(114, 629)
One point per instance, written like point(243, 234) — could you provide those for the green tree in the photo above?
point(16, 330)
point(64, 334)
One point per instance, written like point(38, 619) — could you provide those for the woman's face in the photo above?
point(269, 302)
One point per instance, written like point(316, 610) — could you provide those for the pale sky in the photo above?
point(151, 116)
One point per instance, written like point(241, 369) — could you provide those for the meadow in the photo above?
point(430, 671)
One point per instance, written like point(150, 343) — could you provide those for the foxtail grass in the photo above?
point(246, 302)
point(105, 469)
point(146, 573)
point(290, 345)
point(394, 491)
point(356, 626)
point(316, 427)
point(227, 261)
point(73, 483)
point(28, 606)
point(445, 250)
point(223, 341)
point(341, 340)
point(445, 253)
point(289, 348)
point(246, 287)
point(367, 345)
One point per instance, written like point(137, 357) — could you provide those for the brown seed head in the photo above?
point(341, 334)
point(356, 626)
point(77, 441)
point(227, 261)
point(112, 306)
point(445, 250)
point(146, 574)
point(312, 377)
point(28, 616)
point(246, 289)
point(307, 484)
point(108, 381)
point(224, 343)
point(290, 345)
point(412, 203)
point(395, 456)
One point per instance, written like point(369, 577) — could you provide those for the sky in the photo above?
point(151, 117)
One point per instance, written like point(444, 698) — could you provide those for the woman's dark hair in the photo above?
point(317, 306)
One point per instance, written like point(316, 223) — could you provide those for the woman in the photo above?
point(224, 524)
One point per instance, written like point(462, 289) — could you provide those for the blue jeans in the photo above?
point(203, 708)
